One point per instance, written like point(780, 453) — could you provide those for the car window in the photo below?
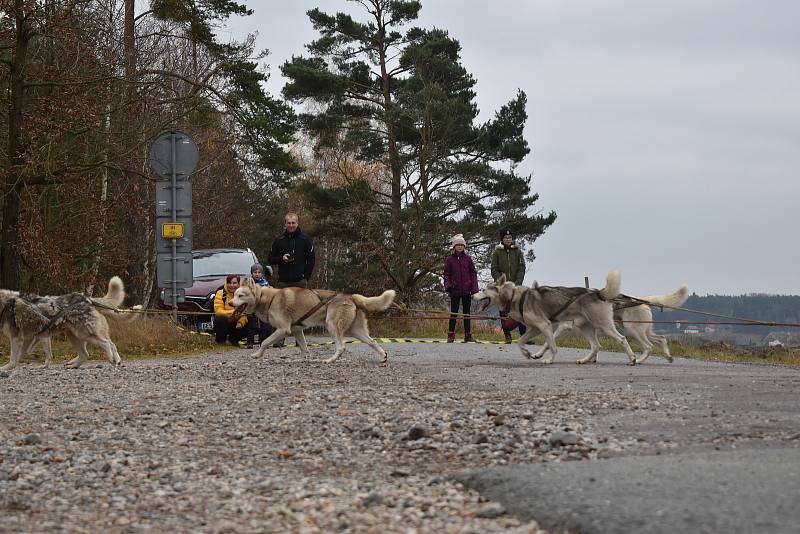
point(222, 263)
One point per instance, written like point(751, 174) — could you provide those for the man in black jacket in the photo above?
point(293, 253)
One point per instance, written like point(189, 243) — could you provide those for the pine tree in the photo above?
point(402, 104)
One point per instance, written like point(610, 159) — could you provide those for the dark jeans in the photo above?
point(465, 301)
point(263, 328)
point(225, 330)
point(300, 283)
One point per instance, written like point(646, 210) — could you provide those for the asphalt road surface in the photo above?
point(728, 460)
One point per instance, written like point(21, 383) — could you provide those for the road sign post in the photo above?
point(174, 156)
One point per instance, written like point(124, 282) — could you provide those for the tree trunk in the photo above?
point(14, 184)
point(129, 44)
point(138, 222)
point(398, 230)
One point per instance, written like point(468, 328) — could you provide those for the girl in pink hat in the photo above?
point(460, 282)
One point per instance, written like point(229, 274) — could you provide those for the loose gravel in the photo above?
point(225, 442)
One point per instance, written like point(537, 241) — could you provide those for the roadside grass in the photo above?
point(137, 337)
point(490, 331)
point(144, 337)
point(711, 352)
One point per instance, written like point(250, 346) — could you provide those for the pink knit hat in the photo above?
point(458, 239)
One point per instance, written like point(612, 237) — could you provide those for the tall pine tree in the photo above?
point(401, 104)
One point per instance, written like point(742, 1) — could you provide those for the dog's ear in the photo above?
point(506, 291)
point(535, 284)
point(246, 282)
point(501, 280)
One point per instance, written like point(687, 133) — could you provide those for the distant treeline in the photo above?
point(776, 308)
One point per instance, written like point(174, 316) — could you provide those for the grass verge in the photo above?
point(139, 337)
point(490, 331)
point(157, 336)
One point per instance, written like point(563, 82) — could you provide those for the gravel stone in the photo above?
point(31, 439)
point(491, 510)
point(563, 438)
point(417, 432)
point(223, 442)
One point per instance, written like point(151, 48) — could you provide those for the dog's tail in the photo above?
point(613, 286)
point(375, 304)
point(676, 298)
point(115, 294)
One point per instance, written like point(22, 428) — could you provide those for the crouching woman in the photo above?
point(228, 325)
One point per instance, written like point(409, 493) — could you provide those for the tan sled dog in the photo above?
point(292, 309)
point(28, 318)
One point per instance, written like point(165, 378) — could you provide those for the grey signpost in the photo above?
point(174, 156)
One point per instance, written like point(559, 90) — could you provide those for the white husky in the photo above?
point(637, 320)
point(591, 311)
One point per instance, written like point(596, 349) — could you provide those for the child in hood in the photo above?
point(460, 282)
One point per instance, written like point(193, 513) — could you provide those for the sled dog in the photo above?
point(292, 309)
point(636, 318)
point(27, 318)
point(642, 330)
point(589, 310)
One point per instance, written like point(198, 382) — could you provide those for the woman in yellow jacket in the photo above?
point(228, 325)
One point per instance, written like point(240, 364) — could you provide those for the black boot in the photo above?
point(507, 334)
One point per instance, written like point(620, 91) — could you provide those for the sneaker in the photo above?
point(508, 338)
point(469, 339)
point(451, 337)
point(279, 344)
point(249, 346)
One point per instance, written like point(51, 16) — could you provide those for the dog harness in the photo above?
point(567, 304)
point(11, 308)
point(521, 304)
point(322, 302)
point(624, 301)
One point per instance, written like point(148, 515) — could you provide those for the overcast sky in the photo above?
point(664, 133)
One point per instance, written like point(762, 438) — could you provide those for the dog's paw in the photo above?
point(527, 354)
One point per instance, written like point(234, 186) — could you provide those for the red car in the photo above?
point(210, 267)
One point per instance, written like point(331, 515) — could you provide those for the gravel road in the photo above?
point(223, 442)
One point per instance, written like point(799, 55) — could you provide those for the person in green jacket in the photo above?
point(508, 259)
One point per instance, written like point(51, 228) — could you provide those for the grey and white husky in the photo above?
point(27, 318)
point(590, 311)
point(636, 316)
